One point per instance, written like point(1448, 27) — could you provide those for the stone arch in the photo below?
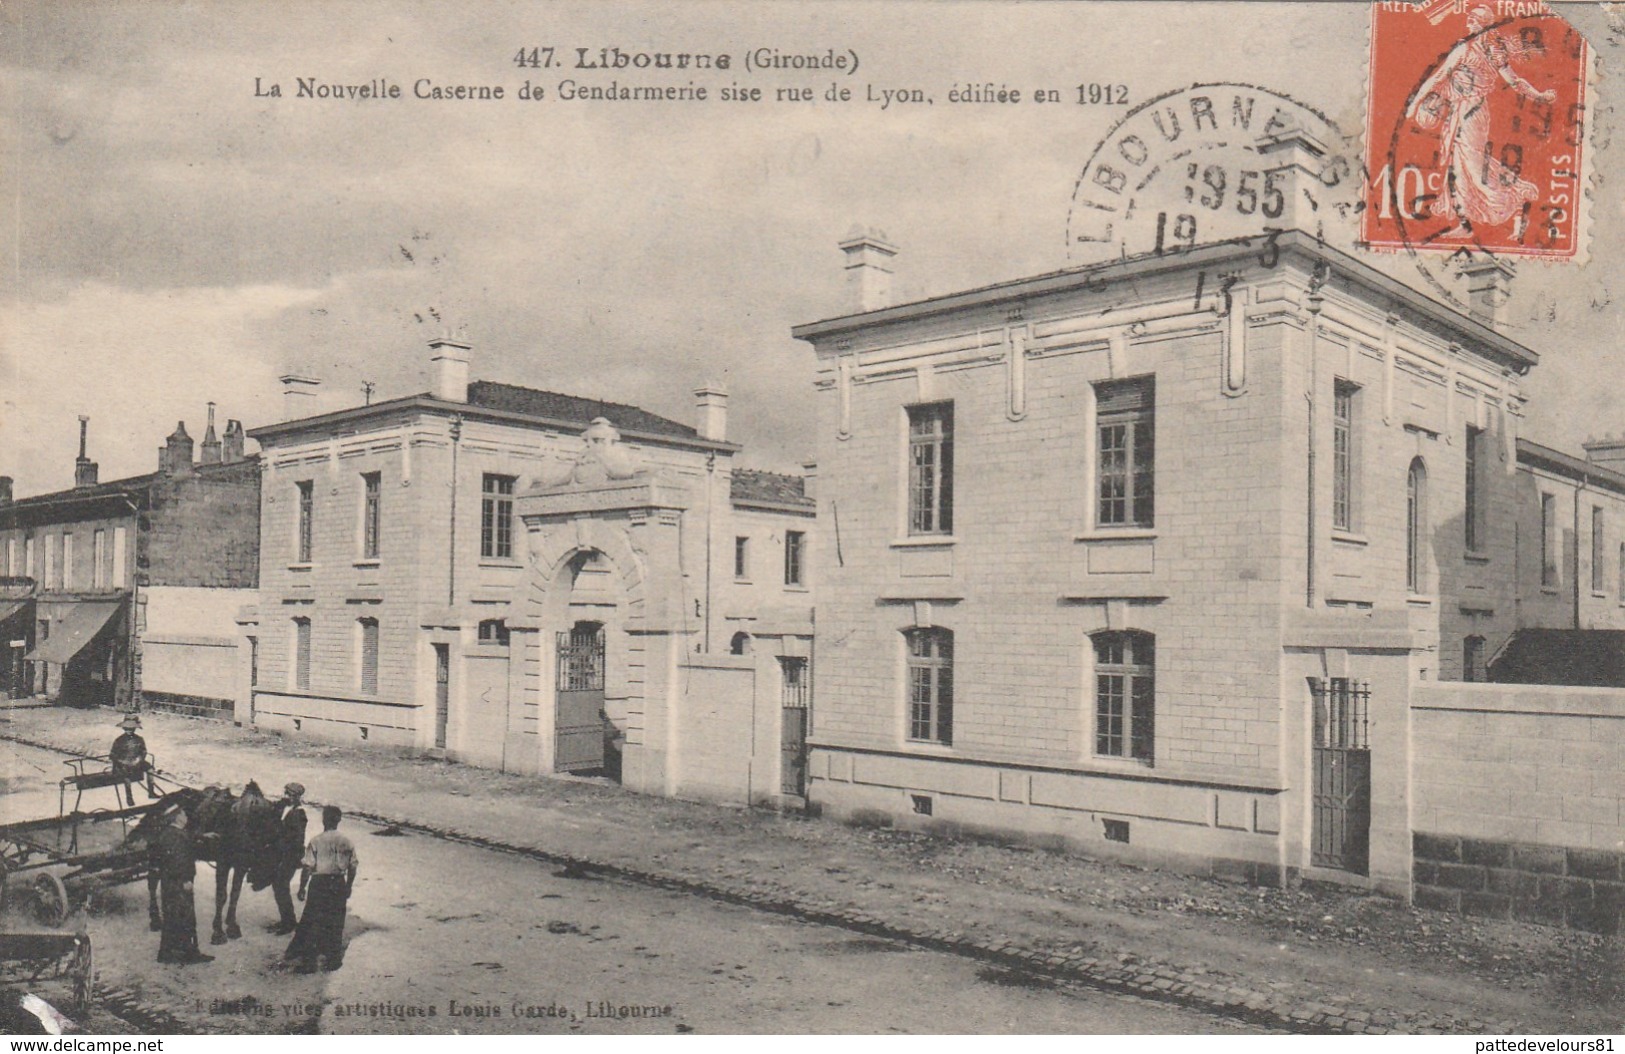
point(550, 558)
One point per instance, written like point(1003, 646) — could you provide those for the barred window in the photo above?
point(496, 517)
point(1343, 460)
point(307, 514)
point(494, 631)
point(795, 682)
point(1125, 414)
point(369, 656)
point(931, 469)
point(931, 685)
point(301, 653)
point(371, 510)
point(1125, 694)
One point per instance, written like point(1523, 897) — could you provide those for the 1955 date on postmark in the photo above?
point(1476, 129)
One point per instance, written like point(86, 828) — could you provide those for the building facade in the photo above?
point(1152, 575)
point(134, 583)
point(527, 581)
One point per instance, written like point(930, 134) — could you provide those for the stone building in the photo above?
point(134, 583)
point(534, 582)
point(1153, 575)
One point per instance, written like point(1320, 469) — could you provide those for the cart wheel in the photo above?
point(84, 975)
point(50, 899)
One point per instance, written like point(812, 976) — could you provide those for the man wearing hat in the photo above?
point(129, 757)
point(290, 850)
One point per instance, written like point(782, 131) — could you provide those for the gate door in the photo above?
point(442, 692)
point(581, 721)
point(1342, 799)
point(796, 696)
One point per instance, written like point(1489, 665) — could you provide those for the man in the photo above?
point(289, 852)
point(329, 874)
point(129, 757)
point(177, 865)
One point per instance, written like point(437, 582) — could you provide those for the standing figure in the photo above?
point(1479, 189)
point(329, 875)
point(129, 757)
point(176, 865)
point(290, 850)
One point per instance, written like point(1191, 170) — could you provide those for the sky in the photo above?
point(175, 238)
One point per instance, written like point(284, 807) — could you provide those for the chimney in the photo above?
point(211, 445)
point(175, 458)
point(449, 363)
point(231, 451)
point(1489, 287)
point(1293, 160)
point(868, 269)
point(809, 477)
point(84, 469)
point(712, 403)
point(298, 396)
point(5, 490)
point(1607, 452)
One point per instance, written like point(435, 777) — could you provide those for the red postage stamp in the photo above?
point(1475, 129)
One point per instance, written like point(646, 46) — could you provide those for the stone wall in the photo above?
point(1577, 888)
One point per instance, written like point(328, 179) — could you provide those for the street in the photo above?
point(446, 937)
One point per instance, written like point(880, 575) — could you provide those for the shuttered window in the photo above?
point(369, 656)
point(307, 525)
point(301, 653)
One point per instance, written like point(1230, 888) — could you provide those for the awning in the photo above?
point(9, 608)
point(73, 625)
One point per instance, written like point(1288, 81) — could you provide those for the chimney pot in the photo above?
point(1489, 287)
point(449, 360)
point(868, 268)
point(5, 490)
point(84, 470)
point(176, 457)
point(809, 479)
point(211, 443)
point(231, 451)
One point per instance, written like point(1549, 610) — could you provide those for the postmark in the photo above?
point(1209, 163)
point(1475, 132)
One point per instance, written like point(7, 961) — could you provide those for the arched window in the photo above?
point(930, 685)
point(1125, 694)
point(1416, 519)
point(740, 645)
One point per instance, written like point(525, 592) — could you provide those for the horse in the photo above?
point(239, 835)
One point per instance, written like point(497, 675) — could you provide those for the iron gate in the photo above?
point(1342, 779)
point(795, 697)
point(581, 723)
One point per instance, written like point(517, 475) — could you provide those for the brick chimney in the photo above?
point(448, 363)
point(1489, 287)
point(211, 444)
point(84, 469)
point(5, 490)
point(868, 269)
point(231, 451)
point(175, 457)
point(298, 396)
point(1608, 452)
point(711, 404)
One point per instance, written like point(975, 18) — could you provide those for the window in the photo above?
point(1125, 695)
point(496, 517)
point(371, 504)
point(795, 687)
point(369, 656)
point(1125, 422)
point(67, 560)
point(931, 469)
point(1416, 519)
point(53, 542)
point(98, 557)
point(28, 557)
point(795, 543)
point(1622, 573)
point(253, 661)
point(931, 685)
point(11, 556)
point(307, 509)
point(494, 631)
point(301, 653)
point(1474, 513)
point(740, 644)
point(742, 558)
point(1548, 539)
point(1597, 579)
point(120, 539)
point(1343, 461)
point(1472, 659)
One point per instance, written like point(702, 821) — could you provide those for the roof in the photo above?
point(1530, 453)
point(1425, 309)
point(114, 488)
point(750, 486)
point(512, 402)
point(1594, 658)
point(536, 403)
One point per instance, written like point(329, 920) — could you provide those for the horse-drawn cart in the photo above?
point(32, 956)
